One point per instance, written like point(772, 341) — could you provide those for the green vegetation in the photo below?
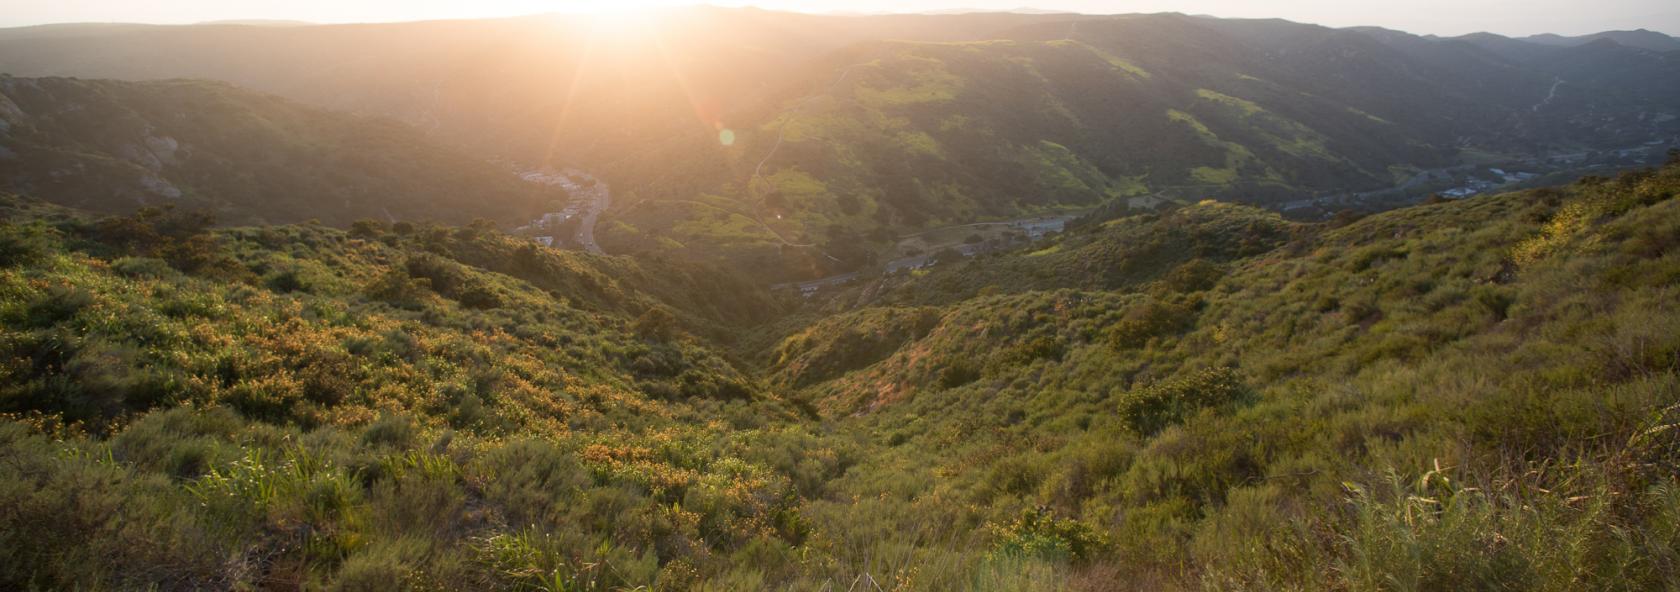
point(298, 405)
point(844, 132)
point(1472, 394)
point(202, 388)
point(1184, 246)
point(112, 147)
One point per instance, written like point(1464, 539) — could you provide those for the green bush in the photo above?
point(22, 245)
point(957, 373)
point(1152, 408)
point(1038, 534)
point(1153, 318)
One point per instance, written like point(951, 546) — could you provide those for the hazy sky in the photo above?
point(1446, 17)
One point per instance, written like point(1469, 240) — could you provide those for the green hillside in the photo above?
point(892, 137)
point(794, 146)
point(1179, 245)
point(1469, 394)
point(113, 147)
point(269, 398)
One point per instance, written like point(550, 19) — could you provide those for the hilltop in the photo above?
point(1638, 38)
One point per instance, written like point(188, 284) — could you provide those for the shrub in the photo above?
point(1044, 347)
point(367, 229)
point(1149, 320)
point(1036, 533)
point(530, 481)
point(105, 381)
point(440, 275)
point(656, 324)
point(143, 267)
point(476, 294)
point(373, 572)
point(1194, 275)
point(288, 280)
point(958, 373)
point(21, 245)
point(395, 287)
point(1154, 407)
point(395, 431)
point(57, 304)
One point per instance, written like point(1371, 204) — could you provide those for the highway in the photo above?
point(589, 199)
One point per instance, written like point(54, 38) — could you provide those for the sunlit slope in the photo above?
point(110, 146)
point(801, 145)
point(244, 370)
point(896, 137)
point(887, 138)
point(1228, 284)
point(1462, 394)
point(1440, 393)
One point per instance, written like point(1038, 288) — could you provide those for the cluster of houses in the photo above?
point(565, 179)
point(1479, 184)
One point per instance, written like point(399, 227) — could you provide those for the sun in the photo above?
point(621, 17)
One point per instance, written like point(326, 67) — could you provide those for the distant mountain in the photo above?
point(1517, 50)
point(109, 146)
point(797, 144)
point(529, 87)
point(1539, 47)
point(894, 136)
point(72, 30)
point(1640, 38)
point(1017, 10)
point(1594, 67)
point(260, 23)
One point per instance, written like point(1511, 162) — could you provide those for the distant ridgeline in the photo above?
point(795, 146)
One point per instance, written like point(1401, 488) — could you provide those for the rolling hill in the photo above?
point(113, 147)
point(1457, 394)
point(797, 145)
point(279, 341)
point(1638, 38)
point(891, 137)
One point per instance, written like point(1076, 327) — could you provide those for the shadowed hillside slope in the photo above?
point(794, 146)
point(887, 138)
point(113, 147)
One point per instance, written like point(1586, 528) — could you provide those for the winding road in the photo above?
point(1551, 94)
point(781, 134)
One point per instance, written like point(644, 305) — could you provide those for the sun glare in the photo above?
point(621, 17)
